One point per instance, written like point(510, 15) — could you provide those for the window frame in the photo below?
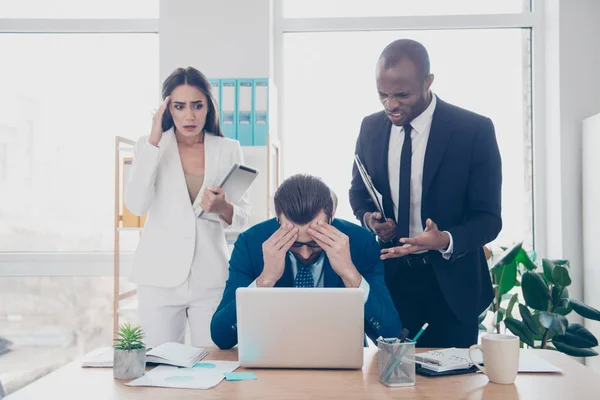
point(533, 20)
point(69, 263)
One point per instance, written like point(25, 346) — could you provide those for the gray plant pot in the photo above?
point(129, 364)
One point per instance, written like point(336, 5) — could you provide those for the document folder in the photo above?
point(376, 197)
point(244, 111)
point(261, 111)
point(228, 108)
point(216, 91)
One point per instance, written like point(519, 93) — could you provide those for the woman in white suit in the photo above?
point(181, 263)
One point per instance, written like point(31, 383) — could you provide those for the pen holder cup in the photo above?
point(396, 362)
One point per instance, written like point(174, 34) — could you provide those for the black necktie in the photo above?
point(404, 193)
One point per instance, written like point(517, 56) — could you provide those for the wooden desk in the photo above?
point(74, 382)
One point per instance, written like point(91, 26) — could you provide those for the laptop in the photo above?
point(300, 327)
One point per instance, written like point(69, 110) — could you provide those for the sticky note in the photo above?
point(240, 376)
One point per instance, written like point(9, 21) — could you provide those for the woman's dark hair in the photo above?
point(301, 197)
point(191, 76)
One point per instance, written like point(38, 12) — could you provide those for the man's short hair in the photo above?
point(301, 197)
point(410, 49)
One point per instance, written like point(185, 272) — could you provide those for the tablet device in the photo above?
point(236, 182)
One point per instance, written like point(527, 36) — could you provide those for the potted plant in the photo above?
point(129, 353)
point(542, 322)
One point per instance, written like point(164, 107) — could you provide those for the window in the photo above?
point(380, 8)
point(329, 86)
point(64, 98)
point(79, 9)
point(46, 322)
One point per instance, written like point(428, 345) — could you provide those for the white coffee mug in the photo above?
point(500, 357)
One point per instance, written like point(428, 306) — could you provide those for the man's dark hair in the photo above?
point(301, 197)
point(410, 49)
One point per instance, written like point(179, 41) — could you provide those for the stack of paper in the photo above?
point(203, 375)
point(176, 354)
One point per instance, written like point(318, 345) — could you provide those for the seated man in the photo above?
point(305, 247)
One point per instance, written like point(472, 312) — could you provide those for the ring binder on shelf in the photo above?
point(228, 108)
point(260, 122)
point(216, 90)
point(244, 111)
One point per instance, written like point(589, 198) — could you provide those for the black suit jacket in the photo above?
point(462, 179)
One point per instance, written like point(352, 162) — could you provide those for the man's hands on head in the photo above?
point(337, 246)
point(274, 252)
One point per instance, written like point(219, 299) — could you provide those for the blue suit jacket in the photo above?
point(246, 264)
point(462, 180)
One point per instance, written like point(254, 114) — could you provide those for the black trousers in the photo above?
point(418, 299)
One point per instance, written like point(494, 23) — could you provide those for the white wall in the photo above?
point(223, 39)
point(572, 94)
point(591, 222)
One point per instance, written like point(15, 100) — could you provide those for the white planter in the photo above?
point(129, 364)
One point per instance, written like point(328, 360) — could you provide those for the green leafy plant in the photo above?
point(544, 288)
point(129, 338)
point(505, 275)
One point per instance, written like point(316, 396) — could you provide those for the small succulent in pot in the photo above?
point(129, 360)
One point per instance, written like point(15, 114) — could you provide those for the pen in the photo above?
point(401, 339)
point(399, 358)
point(425, 325)
point(428, 360)
point(403, 335)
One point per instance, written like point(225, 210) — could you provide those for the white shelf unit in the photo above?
point(123, 146)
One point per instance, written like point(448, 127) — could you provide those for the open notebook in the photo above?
point(455, 359)
point(180, 355)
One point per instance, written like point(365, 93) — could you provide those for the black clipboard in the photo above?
point(376, 198)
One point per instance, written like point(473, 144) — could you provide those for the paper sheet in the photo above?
point(99, 358)
point(203, 375)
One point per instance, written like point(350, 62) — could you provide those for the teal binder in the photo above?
point(228, 108)
point(216, 92)
point(244, 111)
point(260, 120)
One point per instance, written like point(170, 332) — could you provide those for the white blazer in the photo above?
point(173, 233)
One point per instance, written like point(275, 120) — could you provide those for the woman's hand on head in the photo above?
point(157, 132)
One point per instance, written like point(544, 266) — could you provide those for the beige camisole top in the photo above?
point(194, 183)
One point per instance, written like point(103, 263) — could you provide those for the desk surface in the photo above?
point(74, 382)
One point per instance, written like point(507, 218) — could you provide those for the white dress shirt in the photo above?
point(421, 127)
point(317, 271)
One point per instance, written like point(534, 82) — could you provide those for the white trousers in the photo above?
point(165, 312)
